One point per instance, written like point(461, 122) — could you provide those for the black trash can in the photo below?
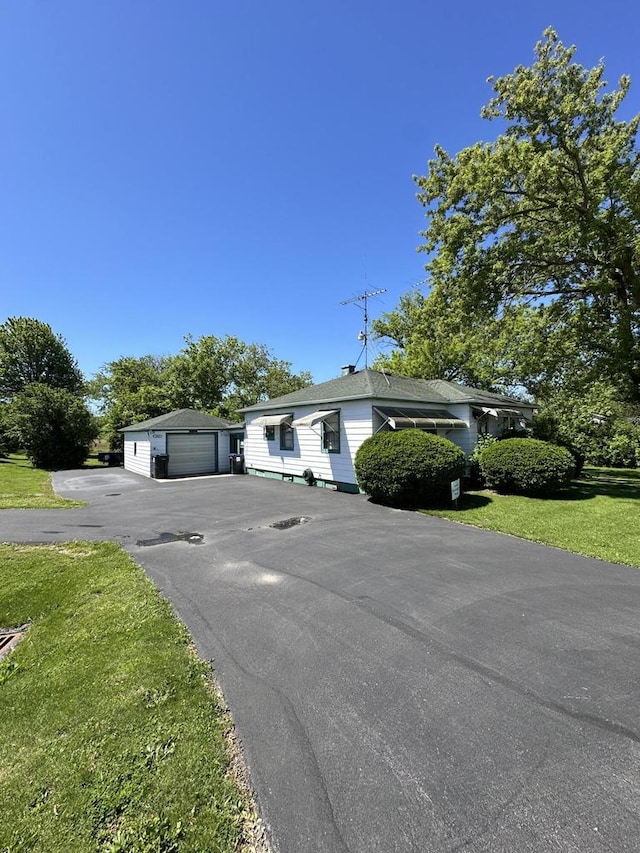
point(113, 457)
point(236, 463)
point(160, 466)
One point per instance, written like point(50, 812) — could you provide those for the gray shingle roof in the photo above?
point(373, 384)
point(180, 419)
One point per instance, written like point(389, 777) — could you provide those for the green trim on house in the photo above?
point(335, 485)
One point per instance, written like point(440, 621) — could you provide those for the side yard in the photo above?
point(24, 487)
point(598, 516)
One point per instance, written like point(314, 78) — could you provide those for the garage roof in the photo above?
point(180, 419)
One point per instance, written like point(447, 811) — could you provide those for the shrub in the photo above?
point(475, 478)
point(623, 448)
point(52, 425)
point(408, 468)
point(526, 466)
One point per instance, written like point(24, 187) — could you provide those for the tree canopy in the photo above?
point(30, 351)
point(535, 236)
point(218, 375)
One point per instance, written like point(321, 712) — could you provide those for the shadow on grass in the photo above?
point(473, 501)
point(612, 483)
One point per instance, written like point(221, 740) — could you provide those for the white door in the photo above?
point(192, 453)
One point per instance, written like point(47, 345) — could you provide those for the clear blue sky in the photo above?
point(240, 167)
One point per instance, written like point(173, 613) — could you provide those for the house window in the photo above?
point(286, 436)
point(331, 433)
point(269, 433)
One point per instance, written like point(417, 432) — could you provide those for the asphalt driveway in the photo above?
point(399, 683)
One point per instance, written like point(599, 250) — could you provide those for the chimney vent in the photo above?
point(347, 369)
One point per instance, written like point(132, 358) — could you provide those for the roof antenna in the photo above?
point(361, 301)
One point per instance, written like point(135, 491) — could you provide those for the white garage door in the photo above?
point(193, 453)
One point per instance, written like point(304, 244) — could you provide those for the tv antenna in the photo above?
point(361, 301)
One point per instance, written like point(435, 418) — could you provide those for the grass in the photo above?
point(111, 735)
point(598, 516)
point(25, 487)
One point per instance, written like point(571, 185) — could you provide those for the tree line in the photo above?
point(217, 375)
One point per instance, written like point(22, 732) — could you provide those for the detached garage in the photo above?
point(180, 444)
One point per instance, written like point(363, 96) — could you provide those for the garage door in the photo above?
point(193, 453)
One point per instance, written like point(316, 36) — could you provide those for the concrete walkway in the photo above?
point(399, 683)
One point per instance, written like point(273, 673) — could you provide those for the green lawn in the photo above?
point(599, 516)
point(24, 487)
point(111, 735)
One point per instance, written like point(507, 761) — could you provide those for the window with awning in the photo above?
point(315, 417)
point(329, 422)
point(404, 418)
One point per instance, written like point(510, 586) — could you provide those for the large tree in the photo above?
point(30, 351)
point(539, 229)
point(223, 374)
point(130, 389)
point(432, 339)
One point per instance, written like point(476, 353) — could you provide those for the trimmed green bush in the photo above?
point(526, 466)
point(408, 468)
point(53, 426)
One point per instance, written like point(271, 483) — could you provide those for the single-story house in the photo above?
point(312, 435)
point(180, 444)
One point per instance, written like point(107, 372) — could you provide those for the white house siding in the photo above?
point(265, 456)
point(356, 425)
point(137, 453)
point(464, 438)
point(357, 422)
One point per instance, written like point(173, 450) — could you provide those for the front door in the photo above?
point(236, 443)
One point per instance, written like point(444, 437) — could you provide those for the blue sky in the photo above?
point(241, 167)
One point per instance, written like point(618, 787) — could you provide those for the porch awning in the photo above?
point(401, 418)
point(314, 417)
point(273, 420)
point(501, 413)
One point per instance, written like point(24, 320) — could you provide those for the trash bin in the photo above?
point(160, 469)
point(236, 463)
point(113, 457)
